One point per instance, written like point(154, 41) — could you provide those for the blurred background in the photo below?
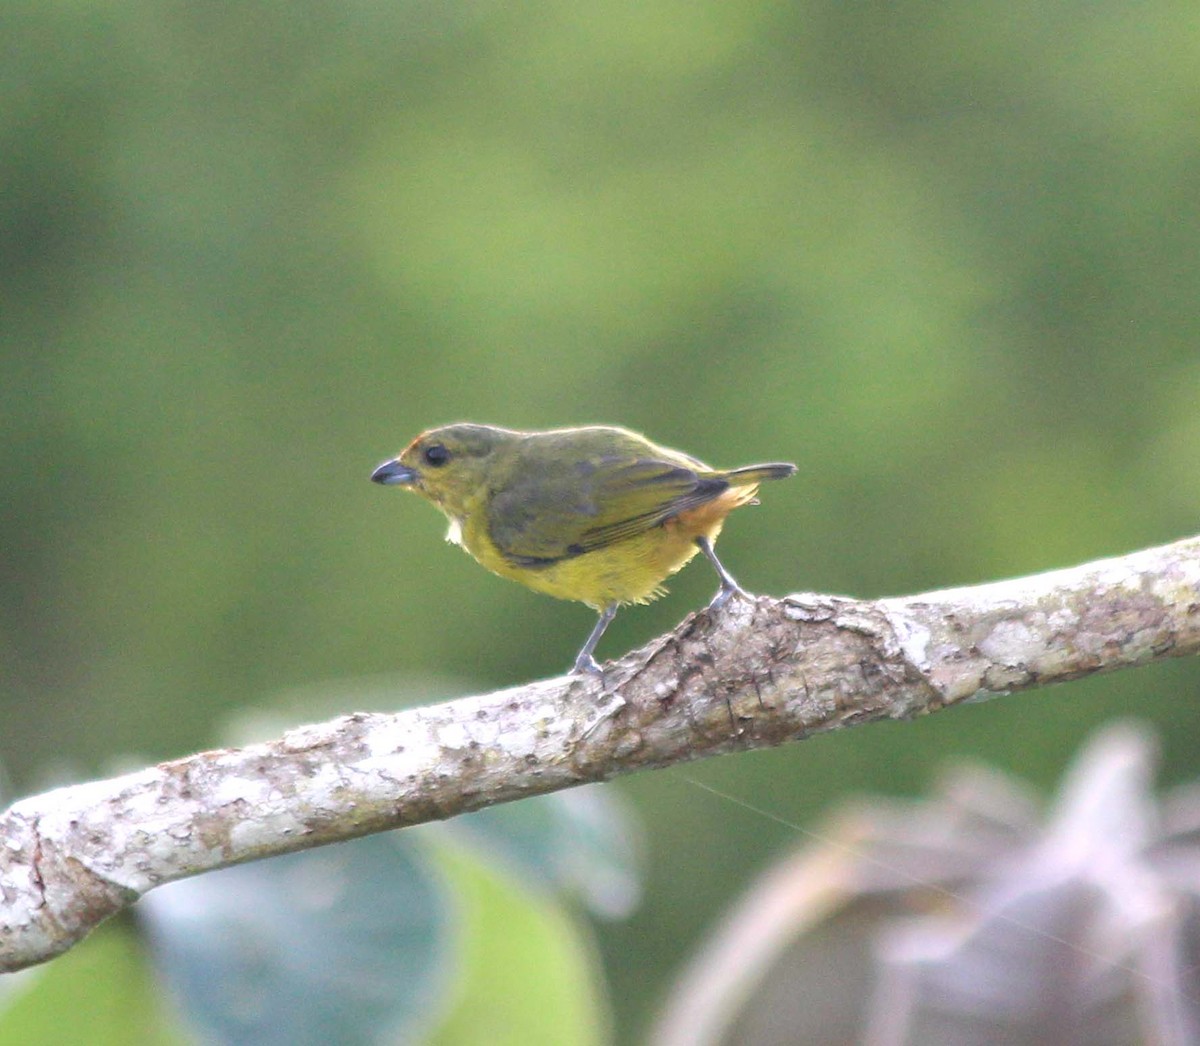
point(947, 259)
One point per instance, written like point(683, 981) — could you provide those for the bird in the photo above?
point(597, 514)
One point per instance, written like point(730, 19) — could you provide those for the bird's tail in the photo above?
point(752, 475)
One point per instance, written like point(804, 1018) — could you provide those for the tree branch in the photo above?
point(752, 675)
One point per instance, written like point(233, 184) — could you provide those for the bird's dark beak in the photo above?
point(393, 474)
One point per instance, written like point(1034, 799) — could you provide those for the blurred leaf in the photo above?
point(583, 841)
point(529, 975)
point(102, 992)
point(345, 944)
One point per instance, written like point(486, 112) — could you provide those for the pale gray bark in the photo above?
point(756, 673)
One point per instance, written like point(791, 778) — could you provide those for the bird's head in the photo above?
point(448, 465)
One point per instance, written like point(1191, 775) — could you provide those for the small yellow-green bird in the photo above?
point(595, 514)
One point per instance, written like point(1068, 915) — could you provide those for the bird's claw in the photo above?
point(726, 592)
point(586, 664)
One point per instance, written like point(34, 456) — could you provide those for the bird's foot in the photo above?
point(729, 586)
point(586, 665)
point(727, 591)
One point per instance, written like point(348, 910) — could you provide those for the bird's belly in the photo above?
point(629, 571)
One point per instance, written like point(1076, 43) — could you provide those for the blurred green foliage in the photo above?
point(528, 973)
point(103, 992)
point(946, 258)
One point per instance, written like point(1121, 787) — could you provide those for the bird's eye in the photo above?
point(435, 455)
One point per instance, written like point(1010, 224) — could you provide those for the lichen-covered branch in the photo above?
point(755, 674)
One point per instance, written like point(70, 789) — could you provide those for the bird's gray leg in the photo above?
point(586, 662)
point(729, 586)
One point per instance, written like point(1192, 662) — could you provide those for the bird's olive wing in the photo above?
point(565, 512)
